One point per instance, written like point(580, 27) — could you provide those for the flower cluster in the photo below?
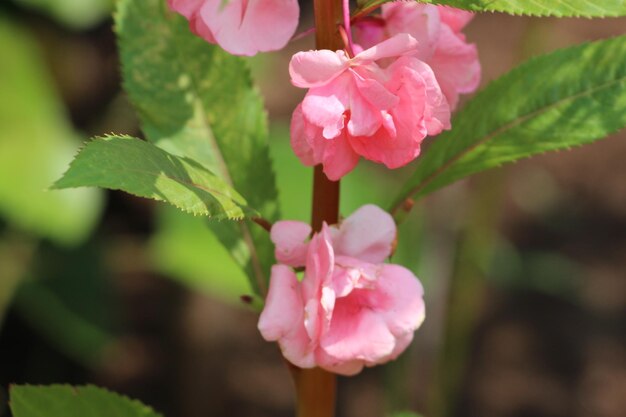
point(377, 99)
point(381, 104)
point(355, 107)
point(350, 310)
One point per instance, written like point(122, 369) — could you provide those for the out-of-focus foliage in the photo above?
point(69, 332)
point(36, 143)
point(14, 258)
point(177, 83)
point(66, 297)
point(142, 169)
point(66, 400)
point(559, 8)
point(185, 249)
point(78, 14)
point(568, 98)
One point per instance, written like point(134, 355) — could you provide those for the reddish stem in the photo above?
point(316, 388)
point(264, 223)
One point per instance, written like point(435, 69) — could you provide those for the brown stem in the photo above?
point(325, 200)
point(316, 388)
point(264, 223)
point(327, 16)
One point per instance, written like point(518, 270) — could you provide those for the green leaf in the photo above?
point(36, 143)
point(559, 8)
point(68, 401)
point(568, 98)
point(196, 100)
point(406, 414)
point(142, 169)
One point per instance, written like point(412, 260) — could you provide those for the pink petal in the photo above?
point(271, 23)
point(414, 81)
point(456, 64)
point(365, 119)
point(316, 68)
point(319, 264)
point(344, 280)
point(456, 19)
point(200, 28)
point(299, 143)
point(369, 32)
point(398, 45)
point(437, 110)
point(375, 92)
point(319, 270)
point(339, 157)
point(421, 21)
point(393, 152)
point(422, 109)
point(325, 106)
point(368, 235)
point(346, 368)
point(185, 7)
point(282, 318)
point(283, 305)
point(290, 238)
point(312, 148)
point(400, 301)
point(240, 26)
point(366, 102)
point(357, 333)
point(402, 343)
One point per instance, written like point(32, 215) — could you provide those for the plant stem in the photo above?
point(325, 200)
point(327, 15)
point(316, 391)
point(316, 388)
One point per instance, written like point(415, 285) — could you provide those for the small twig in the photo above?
point(346, 40)
point(302, 34)
point(264, 223)
point(364, 12)
point(402, 210)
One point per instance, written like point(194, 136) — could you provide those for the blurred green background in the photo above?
point(523, 267)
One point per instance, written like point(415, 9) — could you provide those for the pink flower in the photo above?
point(241, 27)
point(350, 310)
point(441, 43)
point(355, 107)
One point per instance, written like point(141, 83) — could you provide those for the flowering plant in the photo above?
point(385, 80)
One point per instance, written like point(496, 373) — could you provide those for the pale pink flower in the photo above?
point(355, 107)
point(442, 45)
point(241, 27)
point(350, 310)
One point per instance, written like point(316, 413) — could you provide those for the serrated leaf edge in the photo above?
point(78, 388)
point(230, 214)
